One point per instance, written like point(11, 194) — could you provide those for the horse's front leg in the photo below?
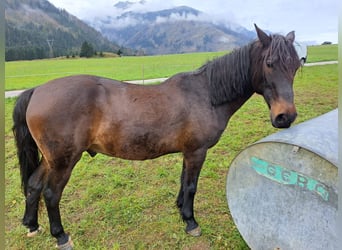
point(191, 169)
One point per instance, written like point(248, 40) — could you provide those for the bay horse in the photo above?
point(56, 122)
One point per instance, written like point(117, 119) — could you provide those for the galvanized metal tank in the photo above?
point(282, 190)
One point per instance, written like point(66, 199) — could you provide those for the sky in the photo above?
point(314, 21)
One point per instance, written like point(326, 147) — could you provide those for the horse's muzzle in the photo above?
point(283, 113)
point(284, 120)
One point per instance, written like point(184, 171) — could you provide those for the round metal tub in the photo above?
point(282, 190)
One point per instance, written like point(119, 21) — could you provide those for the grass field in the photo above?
point(25, 74)
point(322, 53)
point(116, 204)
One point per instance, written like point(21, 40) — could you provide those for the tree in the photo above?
point(119, 53)
point(87, 50)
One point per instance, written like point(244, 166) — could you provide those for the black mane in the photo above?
point(229, 76)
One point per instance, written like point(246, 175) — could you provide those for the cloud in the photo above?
point(179, 17)
point(148, 6)
point(109, 23)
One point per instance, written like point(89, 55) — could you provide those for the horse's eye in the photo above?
point(269, 63)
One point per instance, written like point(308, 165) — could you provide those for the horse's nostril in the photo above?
point(281, 118)
point(284, 120)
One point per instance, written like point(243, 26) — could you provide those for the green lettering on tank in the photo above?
point(285, 176)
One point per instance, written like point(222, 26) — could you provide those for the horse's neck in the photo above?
point(237, 104)
point(225, 111)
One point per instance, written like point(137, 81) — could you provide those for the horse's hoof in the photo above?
point(66, 246)
point(195, 232)
point(34, 233)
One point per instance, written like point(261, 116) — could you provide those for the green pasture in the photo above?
point(111, 203)
point(26, 74)
point(322, 53)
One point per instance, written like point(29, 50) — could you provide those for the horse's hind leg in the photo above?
point(191, 169)
point(57, 178)
point(34, 189)
point(180, 198)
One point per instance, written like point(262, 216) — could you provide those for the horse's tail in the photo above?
point(27, 149)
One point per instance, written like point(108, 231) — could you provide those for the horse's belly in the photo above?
point(135, 148)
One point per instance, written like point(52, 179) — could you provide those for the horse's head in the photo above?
point(274, 65)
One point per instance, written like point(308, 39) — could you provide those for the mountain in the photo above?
point(174, 30)
point(37, 29)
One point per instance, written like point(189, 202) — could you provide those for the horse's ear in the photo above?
point(263, 37)
point(291, 36)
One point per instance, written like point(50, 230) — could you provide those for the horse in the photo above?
point(56, 122)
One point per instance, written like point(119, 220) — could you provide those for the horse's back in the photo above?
point(68, 88)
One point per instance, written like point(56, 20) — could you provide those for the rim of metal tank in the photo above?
point(309, 136)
